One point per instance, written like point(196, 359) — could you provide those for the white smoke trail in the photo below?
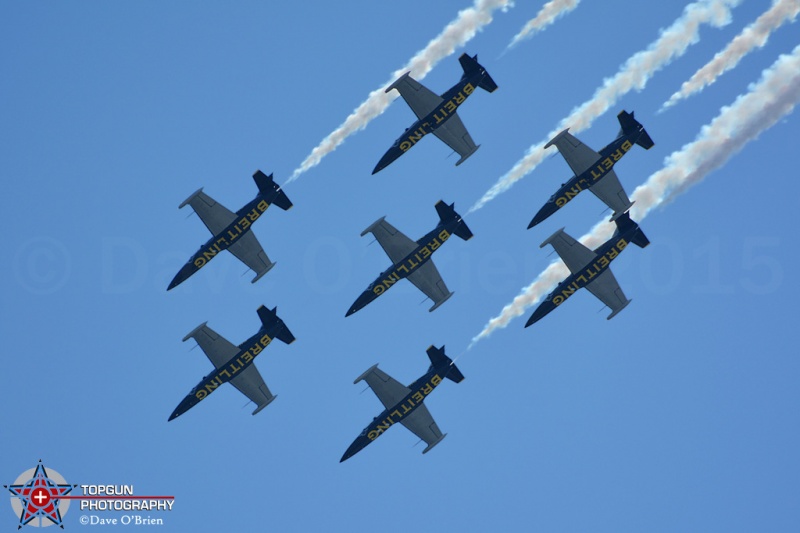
point(549, 13)
point(634, 74)
point(753, 36)
point(456, 34)
point(773, 97)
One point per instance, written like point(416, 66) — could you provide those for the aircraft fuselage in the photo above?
point(420, 389)
point(248, 351)
point(451, 100)
point(569, 190)
point(606, 253)
point(406, 266)
point(245, 217)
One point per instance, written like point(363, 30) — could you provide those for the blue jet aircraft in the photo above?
point(231, 231)
point(590, 269)
point(412, 259)
point(405, 404)
point(235, 363)
point(595, 171)
point(437, 114)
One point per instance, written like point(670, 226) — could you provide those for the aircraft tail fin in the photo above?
point(471, 66)
point(269, 317)
point(440, 360)
point(270, 189)
point(624, 223)
point(448, 213)
point(632, 128)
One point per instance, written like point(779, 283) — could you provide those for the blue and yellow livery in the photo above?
point(590, 269)
point(411, 259)
point(234, 364)
point(437, 114)
point(595, 171)
point(405, 404)
point(231, 231)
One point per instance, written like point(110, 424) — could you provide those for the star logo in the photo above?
point(36, 496)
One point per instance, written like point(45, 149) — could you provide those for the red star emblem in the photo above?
point(40, 497)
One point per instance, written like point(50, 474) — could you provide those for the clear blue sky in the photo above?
point(680, 414)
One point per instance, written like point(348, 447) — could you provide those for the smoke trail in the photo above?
point(634, 74)
point(547, 15)
point(457, 33)
point(773, 97)
point(753, 36)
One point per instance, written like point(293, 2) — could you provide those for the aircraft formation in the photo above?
point(412, 259)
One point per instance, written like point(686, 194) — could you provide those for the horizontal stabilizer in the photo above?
point(624, 224)
point(440, 360)
point(269, 318)
point(471, 67)
point(447, 213)
point(271, 191)
point(632, 128)
point(434, 443)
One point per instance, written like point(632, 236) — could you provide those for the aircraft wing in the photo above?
point(421, 423)
point(214, 215)
point(606, 288)
point(610, 191)
point(388, 390)
point(250, 383)
point(419, 98)
point(393, 241)
point(248, 250)
point(579, 157)
point(217, 348)
point(427, 279)
point(456, 136)
point(574, 254)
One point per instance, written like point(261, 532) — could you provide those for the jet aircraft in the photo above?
point(590, 269)
point(231, 231)
point(412, 259)
point(595, 171)
point(235, 363)
point(405, 404)
point(437, 114)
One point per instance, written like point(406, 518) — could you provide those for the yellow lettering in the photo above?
point(612, 253)
point(253, 215)
point(403, 268)
point(200, 394)
point(558, 300)
point(436, 380)
point(411, 264)
point(256, 349)
point(427, 389)
point(378, 289)
point(208, 254)
point(459, 98)
point(603, 261)
point(418, 396)
point(247, 356)
point(444, 235)
point(450, 106)
point(262, 205)
point(617, 155)
point(265, 340)
point(621, 244)
point(597, 176)
point(607, 163)
point(561, 201)
point(434, 244)
point(405, 145)
point(626, 145)
point(199, 262)
point(468, 88)
point(245, 223)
